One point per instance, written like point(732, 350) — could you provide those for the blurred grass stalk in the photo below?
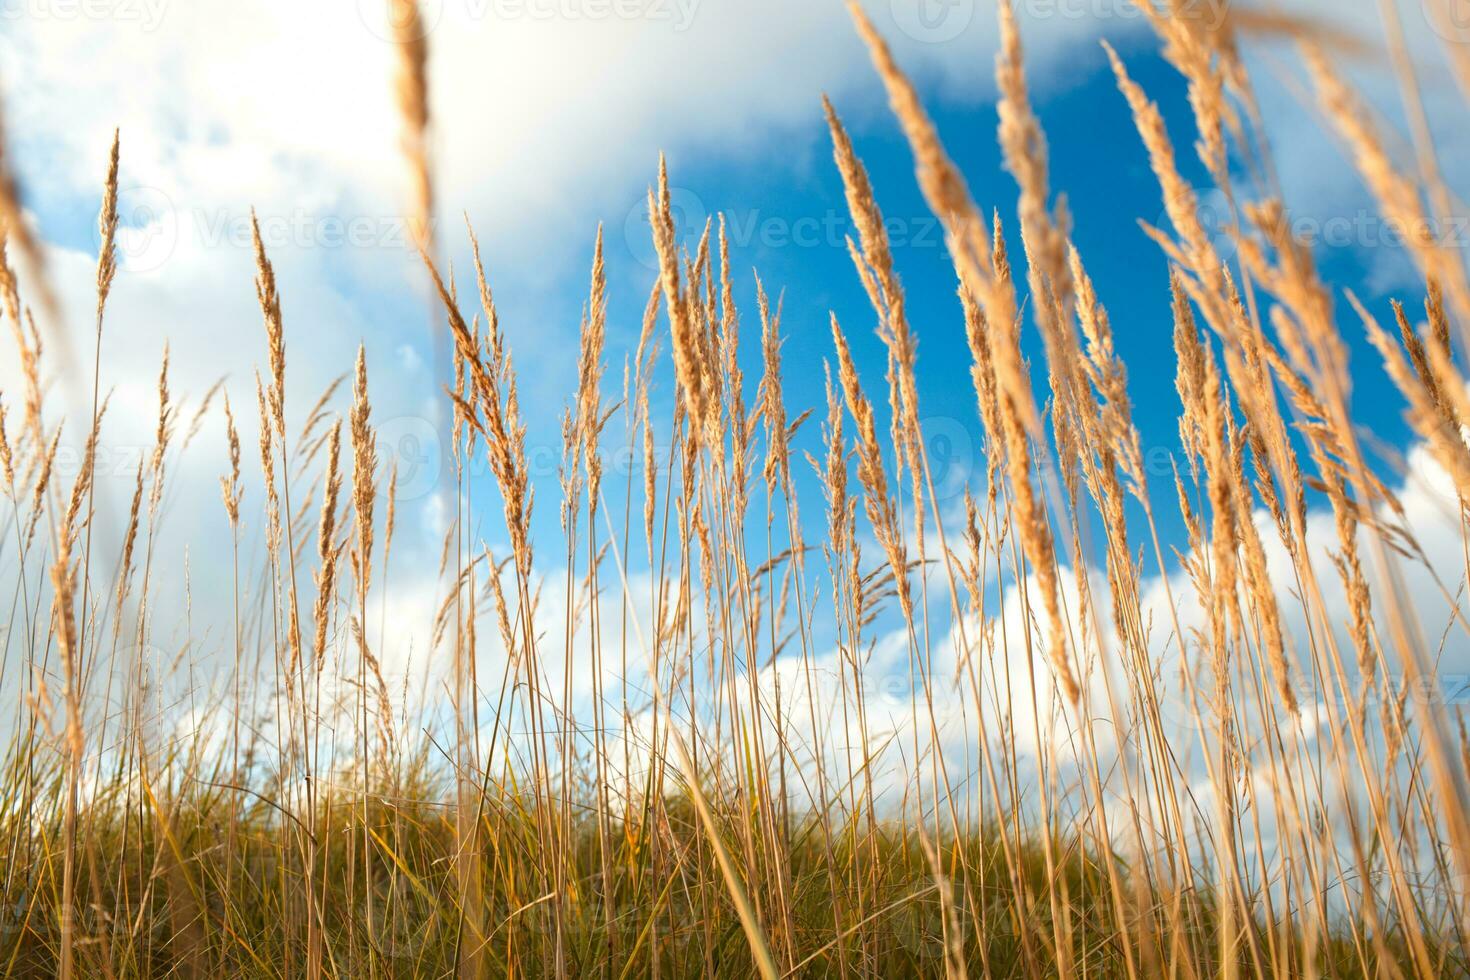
point(733, 806)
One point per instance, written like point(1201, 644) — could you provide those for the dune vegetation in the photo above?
point(1119, 756)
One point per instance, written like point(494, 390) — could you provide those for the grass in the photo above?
point(1107, 771)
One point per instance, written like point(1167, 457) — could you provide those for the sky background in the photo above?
point(548, 119)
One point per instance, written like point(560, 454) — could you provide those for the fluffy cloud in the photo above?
point(541, 124)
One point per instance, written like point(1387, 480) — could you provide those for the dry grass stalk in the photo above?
point(410, 40)
point(877, 502)
point(364, 472)
point(326, 577)
point(13, 227)
point(270, 308)
point(230, 488)
point(7, 455)
point(689, 344)
point(107, 228)
point(1401, 201)
point(976, 262)
point(495, 411)
point(1088, 836)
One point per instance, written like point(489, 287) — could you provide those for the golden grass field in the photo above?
point(739, 816)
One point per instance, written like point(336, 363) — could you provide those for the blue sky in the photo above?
point(546, 126)
point(786, 217)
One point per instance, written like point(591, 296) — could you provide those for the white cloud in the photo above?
point(541, 124)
